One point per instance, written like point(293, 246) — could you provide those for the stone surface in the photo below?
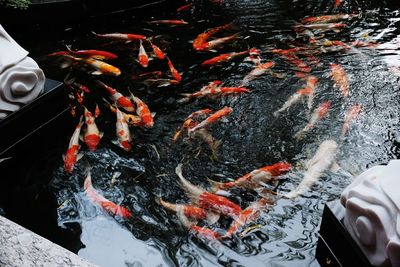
point(21, 247)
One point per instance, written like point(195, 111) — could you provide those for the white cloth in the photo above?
point(21, 79)
point(372, 214)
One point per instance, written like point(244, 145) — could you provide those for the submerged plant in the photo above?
point(21, 4)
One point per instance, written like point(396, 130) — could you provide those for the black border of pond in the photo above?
point(335, 245)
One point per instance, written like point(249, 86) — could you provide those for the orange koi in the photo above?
point(327, 18)
point(72, 156)
point(123, 133)
point(143, 58)
point(338, 3)
point(143, 112)
point(107, 205)
point(157, 51)
point(175, 74)
point(97, 111)
point(199, 42)
point(318, 114)
point(339, 76)
point(92, 135)
point(257, 72)
point(208, 200)
point(253, 179)
point(223, 58)
point(212, 118)
point(117, 97)
point(173, 22)
point(352, 114)
point(121, 36)
point(184, 7)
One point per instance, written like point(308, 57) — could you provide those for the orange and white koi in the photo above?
point(352, 114)
point(175, 74)
point(190, 123)
point(107, 205)
point(213, 91)
point(132, 120)
point(259, 70)
point(225, 111)
point(92, 135)
point(208, 200)
point(339, 76)
point(200, 41)
point(248, 215)
point(121, 36)
point(143, 112)
point(173, 22)
point(327, 18)
point(223, 58)
point(72, 156)
point(143, 58)
point(210, 45)
point(157, 51)
point(253, 179)
point(118, 98)
point(123, 133)
point(319, 113)
point(98, 66)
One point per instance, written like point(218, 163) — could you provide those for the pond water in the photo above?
point(284, 235)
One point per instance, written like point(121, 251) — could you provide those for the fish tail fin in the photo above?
point(215, 186)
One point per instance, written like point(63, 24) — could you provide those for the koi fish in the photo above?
point(296, 97)
point(340, 78)
point(123, 133)
point(175, 74)
point(121, 36)
point(338, 3)
point(157, 51)
point(190, 123)
point(190, 211)
point(352, 114)
point(131, 119)
point(99, 67)
point(336, 27)
point(207, 200)
point(106, 204)
point(205, 232)
point(97, 111)
point(248, 215)
point(92, 135)
point(184, 7)
point(199, 42)
point(160, 82)
point(173, 22)
point(254, 55)
point(213, 91)
point(223, 58)
point(257, 72)
point(327, 18)
point(318, 114)
point(72, 156)
point(201, 112)
point(322, 160)
point(212, 118)
point(143, 112)
point(118, 98)
point(206, 137)
point(253, 179)
point(96, 54)
point(143, 58)
point(210, 45)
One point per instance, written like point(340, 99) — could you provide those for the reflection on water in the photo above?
point(286, 235)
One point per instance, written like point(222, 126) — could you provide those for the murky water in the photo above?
point(287, 233)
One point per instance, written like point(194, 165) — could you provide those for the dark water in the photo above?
point(252, 137)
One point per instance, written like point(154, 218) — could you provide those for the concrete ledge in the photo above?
point(21, 247)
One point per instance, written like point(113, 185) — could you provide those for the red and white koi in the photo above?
point(123, 133)
point(72, 156)
point(172, 22)
point(223, 58)
point(225, 111)
point(157, 51)
point(143, 58)
point(143, 112)
point(339, 76)
point(121, 36)
point(208, 200)
point(107, 205)
point(352, 113)
point(253, 179)
point(118, 98)
point(189, 121)
point(258, 71)
point(92, 135)
point(200, 42)
point(175, 74)
point(319, 113)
